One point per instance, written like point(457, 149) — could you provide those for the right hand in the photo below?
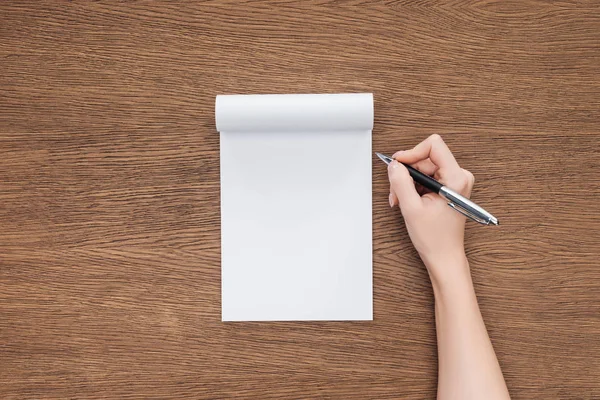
point(436, 230)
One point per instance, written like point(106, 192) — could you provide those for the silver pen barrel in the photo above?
point(467, 207)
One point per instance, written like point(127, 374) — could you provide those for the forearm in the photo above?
point(468, 368)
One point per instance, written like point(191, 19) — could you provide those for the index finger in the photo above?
point(433, 148)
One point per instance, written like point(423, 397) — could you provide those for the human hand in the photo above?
point(436, 230)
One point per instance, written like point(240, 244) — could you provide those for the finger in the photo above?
point(426, 167)
point(393, 199)
point(403, 186)
point(469, 182)
point(433, 148)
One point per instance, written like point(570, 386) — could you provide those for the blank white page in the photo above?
point(296, 229)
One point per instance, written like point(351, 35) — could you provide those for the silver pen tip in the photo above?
point(383, 158)
point(494, 221)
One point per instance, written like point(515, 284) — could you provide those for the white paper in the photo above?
point(296, 227)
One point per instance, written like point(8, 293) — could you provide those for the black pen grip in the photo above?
point(424, 180)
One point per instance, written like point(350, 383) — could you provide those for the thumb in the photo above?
point(403, 186)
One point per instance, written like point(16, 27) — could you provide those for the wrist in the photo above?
point(450, 277)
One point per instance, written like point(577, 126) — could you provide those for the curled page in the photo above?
point(294, 112)
point(296, 207)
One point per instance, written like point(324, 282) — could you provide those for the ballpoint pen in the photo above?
point(455, 200)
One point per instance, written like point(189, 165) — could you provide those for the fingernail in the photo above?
point(391, 201)
point(394, 164)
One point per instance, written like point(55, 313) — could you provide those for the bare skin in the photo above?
point(468, 367)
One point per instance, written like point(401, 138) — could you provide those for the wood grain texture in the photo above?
point(109, 193)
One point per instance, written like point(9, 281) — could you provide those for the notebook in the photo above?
point(296, 225)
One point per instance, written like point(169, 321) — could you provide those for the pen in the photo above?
point(455, 200)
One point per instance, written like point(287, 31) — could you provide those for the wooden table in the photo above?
point(109, 193)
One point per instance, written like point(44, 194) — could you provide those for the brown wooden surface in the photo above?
point(109, 193)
